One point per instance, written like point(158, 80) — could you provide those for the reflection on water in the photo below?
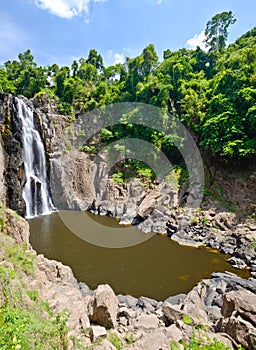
point(156, 268)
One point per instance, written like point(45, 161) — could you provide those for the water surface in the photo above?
point(156, 268)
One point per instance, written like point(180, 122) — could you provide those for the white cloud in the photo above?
point(158, 2)
point(119, 58)
point(111, 58)
point(65, 8)
point(197, 40)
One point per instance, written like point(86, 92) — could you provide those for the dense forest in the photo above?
point(213, 92)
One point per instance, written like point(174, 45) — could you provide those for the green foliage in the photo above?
point(187, 320)
point(20, 257)
point(22, 329)
point(129, 339)
point(212, 93)
point(118, 177)
point(216, 31)
point(201, 342)
point(194, 221)
point(174, 345)
point(115, 340)
point(33, 294)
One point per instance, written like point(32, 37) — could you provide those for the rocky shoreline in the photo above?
point(220, 309)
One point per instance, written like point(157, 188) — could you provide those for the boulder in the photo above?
point(103, 306)
point(171, 312)
point(239, 312)
point(156, 340)
point(147, 322)
point(240, 302)
point(174, 333)
point(97, 332)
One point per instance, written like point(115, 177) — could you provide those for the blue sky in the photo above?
point(59, 31)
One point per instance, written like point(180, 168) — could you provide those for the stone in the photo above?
point(127, 313)
point(103, 306)
point(172, 312)
point(195, 308)
point(147, 322)
point(16, 227)
point(241, 331)
point(240, 302)
point(2, 181)
point(239, 312)
point(55, 272)
point(238, 263)
point(105, 345)
point(97, 332)
point(127, 300)
point(62, 297)
point(174, 333)
point(147, 304)
point(156, 340)
point(176, 299)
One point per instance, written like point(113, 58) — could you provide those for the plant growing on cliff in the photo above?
point(20, 257)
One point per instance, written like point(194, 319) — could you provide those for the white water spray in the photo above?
point(36, 192)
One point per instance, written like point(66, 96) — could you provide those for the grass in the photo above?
point(20, 257)
point(25, 324)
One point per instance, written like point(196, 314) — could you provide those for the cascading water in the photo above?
point(36, 192)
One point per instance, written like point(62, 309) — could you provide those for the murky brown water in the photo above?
point(156, 268)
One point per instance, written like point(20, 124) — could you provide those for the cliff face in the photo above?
point(78, 183)
point(12, 166)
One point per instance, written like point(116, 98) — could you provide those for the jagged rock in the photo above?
point(241, 331)
point(55, 272)
point(238, 263)
point(195, 308)
point(156, 340)
point(174, 333)
point(2, 179)
point(97, 332)
point(146, 322)
point(103, 306)
point(241, 302)
point(10, 128)
point(147, 304)
point(239, 312)
point(127, 300)
point(15, 227)
point(176, 299)
point(105, 345)
point(172, 313)
point(129, 314)
point(62, 297)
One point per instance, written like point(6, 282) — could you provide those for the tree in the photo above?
point(150, 59)
point(95, 59)
point(216, 31)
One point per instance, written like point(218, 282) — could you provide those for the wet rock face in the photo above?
point(10, 127)
point(2, 179)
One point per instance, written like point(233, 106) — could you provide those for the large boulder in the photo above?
point(103, 306)
point(239, 312)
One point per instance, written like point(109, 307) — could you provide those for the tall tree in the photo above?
point(216, 31)
point(95, 59)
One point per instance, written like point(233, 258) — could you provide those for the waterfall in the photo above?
point(35, 192)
